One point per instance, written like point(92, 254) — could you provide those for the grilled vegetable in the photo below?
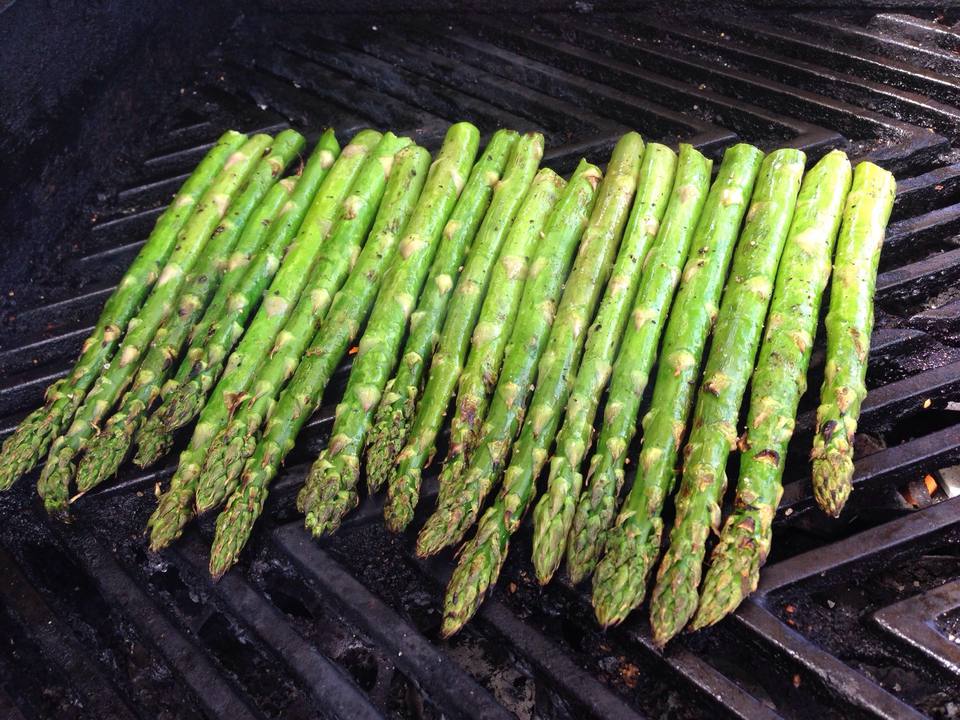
point(632, 544)
point(483, 269)
point(482, 557)
point(458, 510)
point(54, 483)
point(778, 382)
point(330, 490)
point(849, 324)
point(33, 435)
point(553, 515)
point(729, 365)
point(208, 348)
point(638, 351)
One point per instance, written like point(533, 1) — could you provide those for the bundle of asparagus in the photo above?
point(519, 297)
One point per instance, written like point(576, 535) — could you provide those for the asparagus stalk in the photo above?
point(458, 510)
point(632, 544)
point(498, 235)
point(638, 350)
point(330, 489)
point(32, 437)
point(302, 395)
point(849, 324)
point(733, 350)
point(220, 266)
point(481, 559)
point(54, 483)
point(387, 433)
point(778, 382)
point(228, 450)
point(184, 395)
point(553, 515)
point(284, 291)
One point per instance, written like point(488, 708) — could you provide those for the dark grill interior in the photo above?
point(855, 618)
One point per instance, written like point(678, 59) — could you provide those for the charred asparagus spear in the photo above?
point(302, 395)
point(778, 382)
point(481, 272)
point(638, 350)
point(330, 490)
point(184, 395)
point(632, 544)
point(458, 510)
point(729, 365)
point(482, 557)
point(849, 324)
point(218, 269)
point(229, 451)
point(54, 483)
point(553, 515)
point(33, 435)
point(399, 399)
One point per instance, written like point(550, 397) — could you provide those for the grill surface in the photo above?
point(855, 618)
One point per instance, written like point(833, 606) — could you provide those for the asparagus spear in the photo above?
point(638, 351)
point(284, 291)
point(482, 271)
point(184, 396)
point(228, 450)
point(553, 515)
point(54, 483)
point(219, 267)
point(849, 324)
point(302, 395)
point(330, 489)
point(387, 433)
point(632, 544)
point(481, 558)
point(33, 435)
point(729, 365)
point(458, 510)
point(778, 382)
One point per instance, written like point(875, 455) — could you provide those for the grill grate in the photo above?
point(853, 618)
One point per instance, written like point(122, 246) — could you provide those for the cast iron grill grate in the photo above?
point(855, 618)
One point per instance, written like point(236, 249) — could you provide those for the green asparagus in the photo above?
point(632, 544)
point(302, 395)
point(849, 324)
point(458, 510)
point(30, 440)
point(727, 371)
point(778, 382)
point(481, 559)
point(553, 515)
point(638, 350)
point(330, 489)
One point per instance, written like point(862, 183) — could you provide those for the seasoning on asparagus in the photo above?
point(175, 506)
point(481, 558)
point(733, 350)
point(553, 515)
point(458, 510)
point(228, 451)
point(330, 490)
point(300, 398)
point(215, 274)
point(849, 324)
point(638, 350)
point(778, 382)
point(32, 437)
point(184, 395)
point(54, 483)
point(509, 230)
point(632, 544)
point(388, 432)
